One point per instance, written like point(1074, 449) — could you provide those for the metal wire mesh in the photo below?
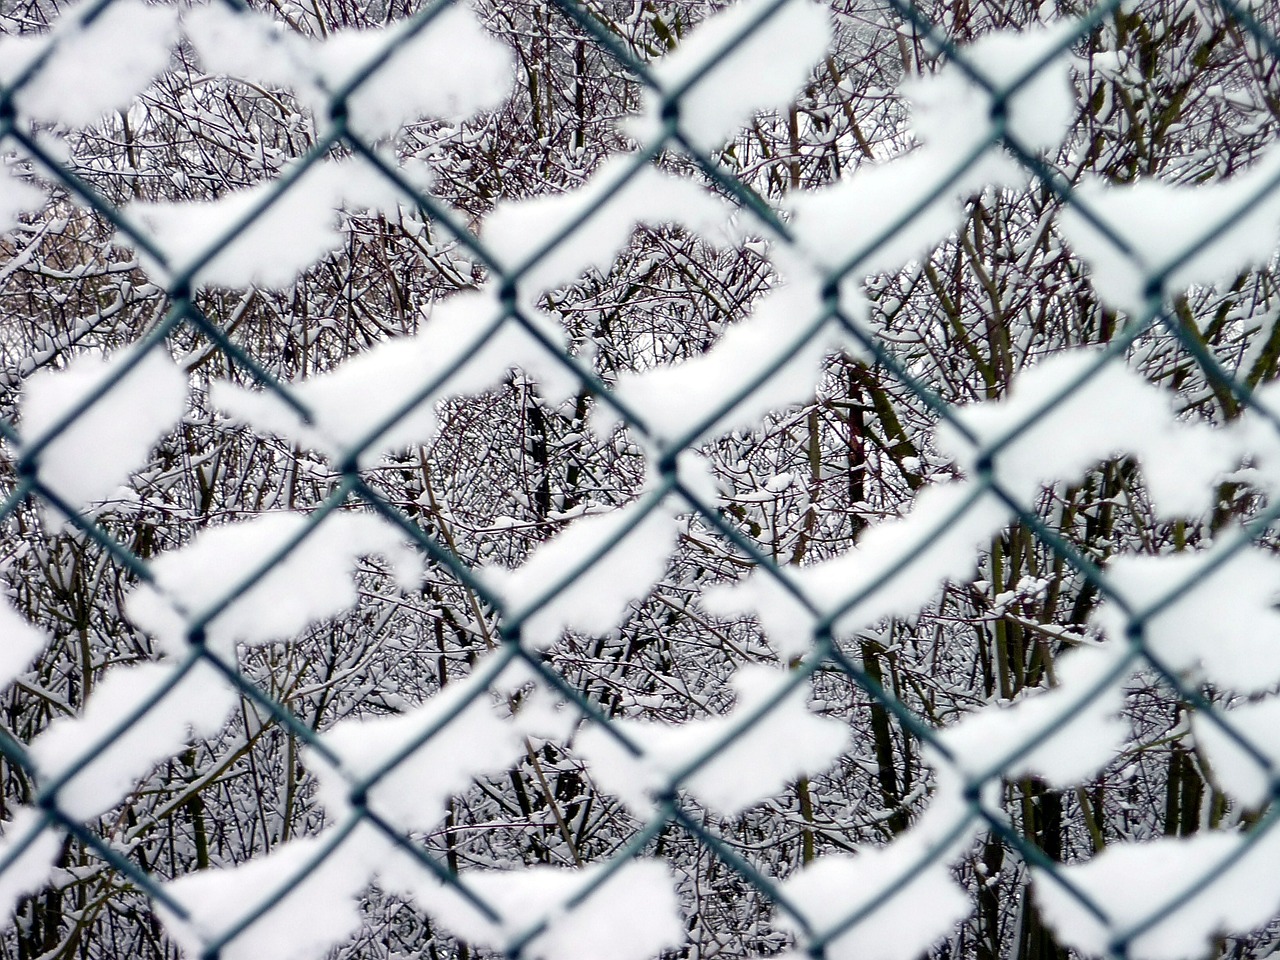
point(673, 810)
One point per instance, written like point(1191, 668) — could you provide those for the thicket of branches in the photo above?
point(1169, 89)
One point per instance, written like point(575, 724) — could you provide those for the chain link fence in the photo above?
point(889, 890)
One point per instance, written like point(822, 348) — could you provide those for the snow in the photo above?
point(247, 43)
point(414, 794)
point(312, 582)
point(20, 643)
point(924, 906)
point(596, 599)
point(951, 116)
point(296, 230)
point(318, 910)
point(29, 870)
point(540, 713)
point(853, 217)
point(1232, 769)
point(452, 69)
point(1191, 634)
point(1064, 434)
point(761, 71)
point(195, 704)
point(518, 231)
point(1083, 735)
point(789, 743)
point(93, 455)
point(922, 902)
point(893, 571)
point(93, 68)
point(360, 395)
point(899, 563)
point(953, 113)
point(633, 915)
point(16, 196)
point(674, 398)
point(1257, 439)
point(1160, 222)
point(1131, 881)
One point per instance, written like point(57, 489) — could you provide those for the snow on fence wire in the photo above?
point(990, 117)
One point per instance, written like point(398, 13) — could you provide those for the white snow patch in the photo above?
point(20, 643)
point(16, 196)
point(952, 113)
point(762, 71)
point(918, 913)
point(597, 599)
point(197, 705)
point(363, 392)
point(451, 69)
point(94, 68)
point(518, 230)
point(1086, 737)
point(672, 399)
point(872, 214)
point(633, 915)
point(31, 869)
point(1063, 437)
point(99, 449)
point(297, 229)
point(313, 582)
point(790, 742)
point(1131, 881)
point(855, 215)
point(896, 567)
point(318, 911)
point(1240, 651)
point(1161, 222)
point(414, 793)
point(1233, 769)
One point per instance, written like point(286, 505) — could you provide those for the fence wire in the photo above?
point(673, 810)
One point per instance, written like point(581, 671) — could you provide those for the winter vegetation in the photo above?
point(610, 479)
